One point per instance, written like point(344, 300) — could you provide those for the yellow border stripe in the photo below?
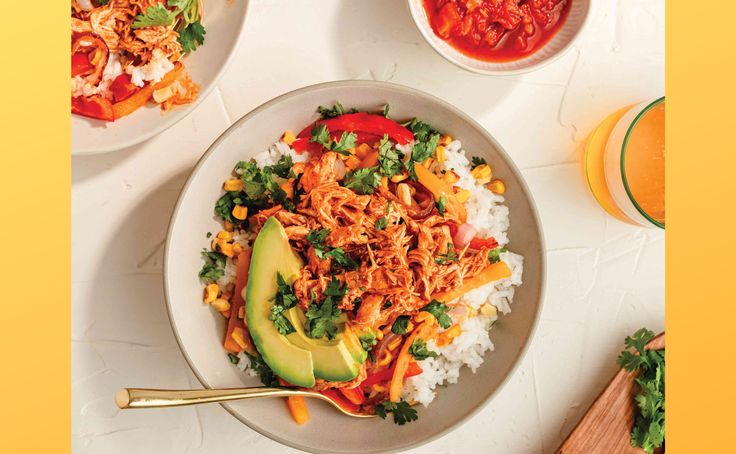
point(701, 232)
point(35, 227)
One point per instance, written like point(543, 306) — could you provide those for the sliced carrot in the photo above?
point(354, 395)
point(439, 188)
point(493, 272)
point(403, 361)
point(236, 302)
point(298, 409)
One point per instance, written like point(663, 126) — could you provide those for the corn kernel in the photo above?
point(352, 162)
point(225, 235)
point(445, 140)
point(404, 194)
point(362, 150)
point(450, 177)
point(237, 248)
point(496, 187)
point(482, 173)
point(238, 336)
point(488, 310)
point(379, 334)
point(379, 388)
point(233, 184)
point(385, 358)
point(384, 182)
point(240, 212)
point(440, 154)
point(463, 196)
point(399, 177)
point(446, 337)
point(210, 293)
point(395, 343)
point(221, 304)
point(223, 247)
point(288, 138)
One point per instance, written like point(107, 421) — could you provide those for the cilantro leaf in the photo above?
point(477, 161)
point(283, 168)
point(381, 223)
point(401, 324)
point(440, 204)
point(336, 289)
point(385, 110)
point(439, 310)
point(368, 340)
point(210, 272)
point(320, 134)
point(447, 257)
point(234, 359)
point(389, 159)
point(284, 300)
point(259, 366)
point(321, 319)
point(154, 16)
point(283, 325)
point(346, 142)
point(402, 411)
point(341, 258)
point(334, 111)
point(420, 129)
point(317, 239)
point(215, 257)
point(423, 150)
point(494, 255)
point(362, 181)
point(419, 350)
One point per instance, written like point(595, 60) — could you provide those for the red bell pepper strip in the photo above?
point(386, 374)
point(354, 395)
point(303, 144)
point(81, 66)
point(338, 398)
point(93, 107)
point(122, 87)
point(377, 125)
point(480, 243)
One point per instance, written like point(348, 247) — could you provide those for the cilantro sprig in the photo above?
point(322, 317)
point(363, 181)
point(401, 411)
point(439, 310)
point(321, 134)
point(184, 14)
point(648, 432)
point(401, 324)
point(317, 239)
point(214, 266)
point(426, 141)
point(335, 111)
point(419, 350)
point(259, 366)
point(494, 255)
point(389, 158)
point(285, 299)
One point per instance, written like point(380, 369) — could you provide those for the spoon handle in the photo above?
point(153, 398)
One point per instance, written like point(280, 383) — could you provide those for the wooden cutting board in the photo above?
point(606, 426)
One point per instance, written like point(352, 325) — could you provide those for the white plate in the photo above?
point(223, 21)
point(555, 48)
point(199, 330)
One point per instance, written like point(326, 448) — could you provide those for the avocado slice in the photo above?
point(331, 358)
point(272, 254)
point(352, 342)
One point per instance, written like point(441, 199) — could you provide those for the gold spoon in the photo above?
point(155, 398)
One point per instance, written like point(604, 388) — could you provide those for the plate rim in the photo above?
point(168, 123)
point(366, 84)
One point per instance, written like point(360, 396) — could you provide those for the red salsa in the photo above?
point(496, 30)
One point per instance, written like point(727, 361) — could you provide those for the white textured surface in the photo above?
point(605, 278)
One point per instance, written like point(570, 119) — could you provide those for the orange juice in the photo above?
point(624, 164)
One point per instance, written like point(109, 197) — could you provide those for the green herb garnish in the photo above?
point(494, 255)
point(440, 204)
point(367, 340)
point(477, 161)
point(419, 350)
point(401, 324)
point(363, 181)
point(321, 318)
point(402, 411)
point(449, 256)
point(389, 158)
point(259, 366)
point(439, 310)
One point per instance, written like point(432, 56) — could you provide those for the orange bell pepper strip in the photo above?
point(403, 361)
point(298, 409)
point(439, 188)
point(236, 303)
point(370, 160)
point(354, 395)
point(93, 107)
point(141, 97)
point(493, 272)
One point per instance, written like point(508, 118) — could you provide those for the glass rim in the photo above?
point(623, 160)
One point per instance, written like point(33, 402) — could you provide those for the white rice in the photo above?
point(488, 214)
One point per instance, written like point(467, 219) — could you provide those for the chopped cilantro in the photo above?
point(317, 239)
point(402, 411)
point(439, 310)
point(191, 36)
point(426, 143)
point(389, 159)
point(419, 350)
point(321, 318)
point(209, 234)
point(335, 111)
point(494, 255)
point(440, 204)
point(477, 161)
point(401, 324)
point(421, 130)
point(233, 358)
point(320, 134)
point(648, 432)
point(155, 15)
point(368, 340)
point(210, 272)
point(346, 142)
point(449, 256)
point(259, 366)
point(284, 300)
point(381, 223)
point(341, 258)
point(363, 181)
point(385, 110)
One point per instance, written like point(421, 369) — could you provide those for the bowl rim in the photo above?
point(414, 92)
point(188, 109)
point(424, 30)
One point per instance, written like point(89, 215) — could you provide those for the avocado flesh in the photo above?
point(352, 342)
point(332, 360)
point(272, 254)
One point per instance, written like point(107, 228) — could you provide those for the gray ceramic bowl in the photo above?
point(199, 331)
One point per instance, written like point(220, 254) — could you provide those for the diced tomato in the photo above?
point(480, 243)
point(354, 395)
point(338, 398)
point(385, 375)
point(81, 65)
point(361, 122)
point(122, 87)
point(93, 107)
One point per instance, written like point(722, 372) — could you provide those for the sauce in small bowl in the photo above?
point(496, 30)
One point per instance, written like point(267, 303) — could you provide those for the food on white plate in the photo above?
point(362, 258)
point(126, 53)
